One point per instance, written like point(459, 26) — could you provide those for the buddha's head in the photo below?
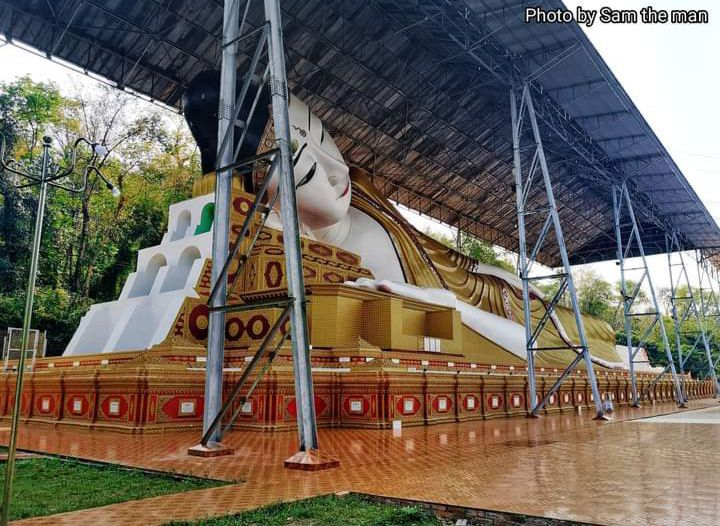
point(321, 176)
point(322, 179)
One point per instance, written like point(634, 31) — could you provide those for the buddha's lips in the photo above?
point(347, 189)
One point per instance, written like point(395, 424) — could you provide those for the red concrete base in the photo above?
point(158, 391)
point(215, 449)
point(313, 460)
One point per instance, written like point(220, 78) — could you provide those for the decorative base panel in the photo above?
point(161, 393)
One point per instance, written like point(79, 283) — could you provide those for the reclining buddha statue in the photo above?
point(339, 207)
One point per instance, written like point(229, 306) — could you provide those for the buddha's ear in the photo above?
point(328, 144)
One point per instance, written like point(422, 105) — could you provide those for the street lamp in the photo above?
point(50, 175)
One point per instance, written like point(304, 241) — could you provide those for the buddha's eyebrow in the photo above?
point(308, 177)
point(297, 157)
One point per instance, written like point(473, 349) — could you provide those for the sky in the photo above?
point(669, 71)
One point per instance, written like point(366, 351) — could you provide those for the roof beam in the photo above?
point(575, 87)
point(639, 158)
point(553, 61)
point(90, 45)
point(575, 92)
point(600, 118)
point(151, 33)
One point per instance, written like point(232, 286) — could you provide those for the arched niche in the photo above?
point(145, 278)
point(177, 276)
point(181, 225)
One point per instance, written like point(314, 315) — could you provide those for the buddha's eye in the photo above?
point(297, 157)
point(308, 177)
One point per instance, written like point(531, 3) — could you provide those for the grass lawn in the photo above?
point(44, 486)
point(326, 511)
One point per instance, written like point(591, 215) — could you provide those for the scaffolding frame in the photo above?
point(709, 304)
point(524, 180)
point(623, 205)
point(273, 77)
point(683, 308)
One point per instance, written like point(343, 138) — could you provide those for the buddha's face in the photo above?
point(322, 178)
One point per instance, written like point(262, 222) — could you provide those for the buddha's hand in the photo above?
point(441, 297)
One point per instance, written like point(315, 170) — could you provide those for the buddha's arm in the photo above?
point(502, 331)
point(499, 330)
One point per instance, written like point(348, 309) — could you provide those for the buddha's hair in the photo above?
point(200, 102)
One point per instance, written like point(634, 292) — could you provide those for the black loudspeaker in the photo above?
point(200, 107)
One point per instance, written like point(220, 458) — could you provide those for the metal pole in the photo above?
point(564, 256)
point(698, 319)
point(221, 220)
point(708, 269)
point(626, 306)
point(523, 251)
point(304, 402)
point(653, 296)
point(702, 318)
point(27, 320)
point(676, 323)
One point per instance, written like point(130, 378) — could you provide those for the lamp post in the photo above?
point(50, 175)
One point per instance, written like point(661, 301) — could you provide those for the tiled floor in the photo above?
point(711, 415)
point(565, 466)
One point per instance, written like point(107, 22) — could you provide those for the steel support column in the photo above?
point(304, 398)
point(523, 183)
point(622, 200)
point(684, 307)
point(221, 219)
point(281, 167)
point(708, 301)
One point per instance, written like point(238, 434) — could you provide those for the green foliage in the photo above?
point(595, 295)
point(696, 362)
point(56, 311)
point(25, 108)
point(45, 486)
point(330, 510)
point(90, 239)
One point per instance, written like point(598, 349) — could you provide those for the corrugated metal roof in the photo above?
point(416, 93)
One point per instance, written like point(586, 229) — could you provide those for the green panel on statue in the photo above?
point(206, 219)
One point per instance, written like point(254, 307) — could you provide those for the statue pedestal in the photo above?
point(312, 460)
point(214, 449)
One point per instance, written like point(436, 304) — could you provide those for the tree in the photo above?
point(25, 109)
point(90, 240)
point(595, 295)
point(549, 288)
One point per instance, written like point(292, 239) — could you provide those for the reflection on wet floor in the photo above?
point(566, 466)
